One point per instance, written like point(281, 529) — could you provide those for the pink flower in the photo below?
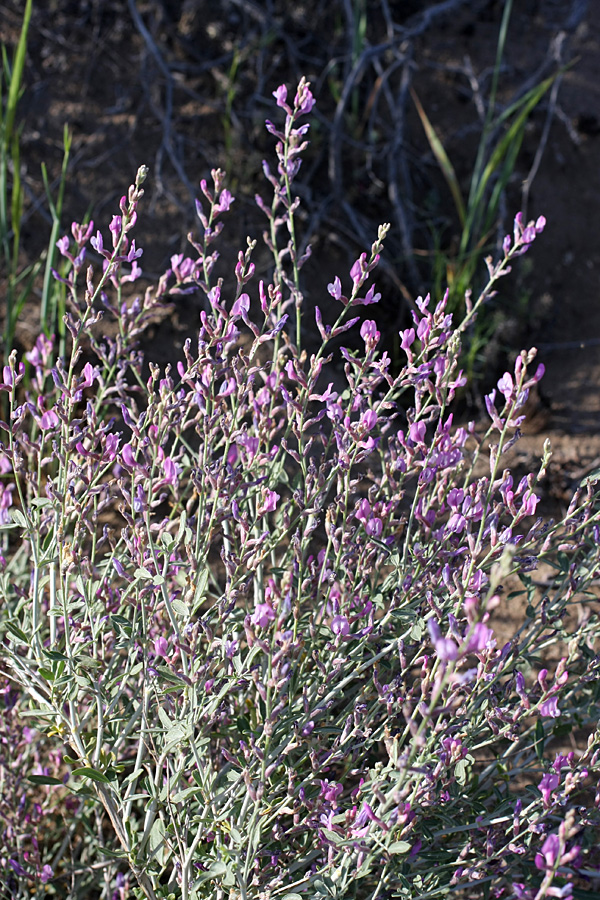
point(161, 646)
point(304, 100)
point(547, 785)
point(330, 791)
point(171, 470)
point(335, 288)
point(358, 272)
point(6, 501)
point(89, 376)
point(128, 456)
point(445, 648)
point(370, 297)
point(368, 419)
point(281, 96)
point(417, 432)
point(529, 505)
point(225, 201)
point(550, 708)
point(482, 638)
point(407, 338)
point(269, 502)
point(241, 305)
point(48, 420)
point(340, 625)
point(506, 386)
point(262, 615)
point(368, 331)
point(46, 874)
point(115, 228)
point(550, 852)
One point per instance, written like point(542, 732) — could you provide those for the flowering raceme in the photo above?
point(256, 614)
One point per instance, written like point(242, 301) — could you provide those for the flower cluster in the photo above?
point(253, 618)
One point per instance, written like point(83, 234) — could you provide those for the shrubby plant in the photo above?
point(249, 634)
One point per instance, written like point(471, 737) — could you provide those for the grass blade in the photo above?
point(14, 90)
point(442, 159)
point(506, 149)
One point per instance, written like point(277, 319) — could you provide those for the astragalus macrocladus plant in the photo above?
point(257, 614)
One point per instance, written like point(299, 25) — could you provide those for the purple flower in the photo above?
point(304, 100)
point(407, 338)
point(228, 387)
point(481, 639)
point(7, 374)
point(262, 615)
point(97, 243)
point(6, 502)
point(269, 502)
point(128, 456)
point(89, 376)
point(424, 329)
point(368, 420)
point(369, 332)
point(547, 785)
point(529, 234)
point(445, 648)
point(281, 96)
point(520, 688)
point(549, 707)
point(161, 646)
point(559, 762)
point(417, 432)
point(171, 470)
point(135, 253)
point(456, 523)
point(335, 288)
point(241, 305)
point(46, 874)
point(370, 297)
point(115, 229)
point(48, 420)
point(249, 444)
point(18, 868)
point(225, 201)
point(550, 852)
point(492, 412)
point(506, 386)
point(521, 891)
point(455, 497)
point(367, 815)
point(41, 352)
point(374, 527)
point(81, 233)
point(529, 505)
point(112, 445)
point(372, 524)
point(340, 625)
point(358, 272)
point(330, 791)
point(119, 568)
point(63, 247)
